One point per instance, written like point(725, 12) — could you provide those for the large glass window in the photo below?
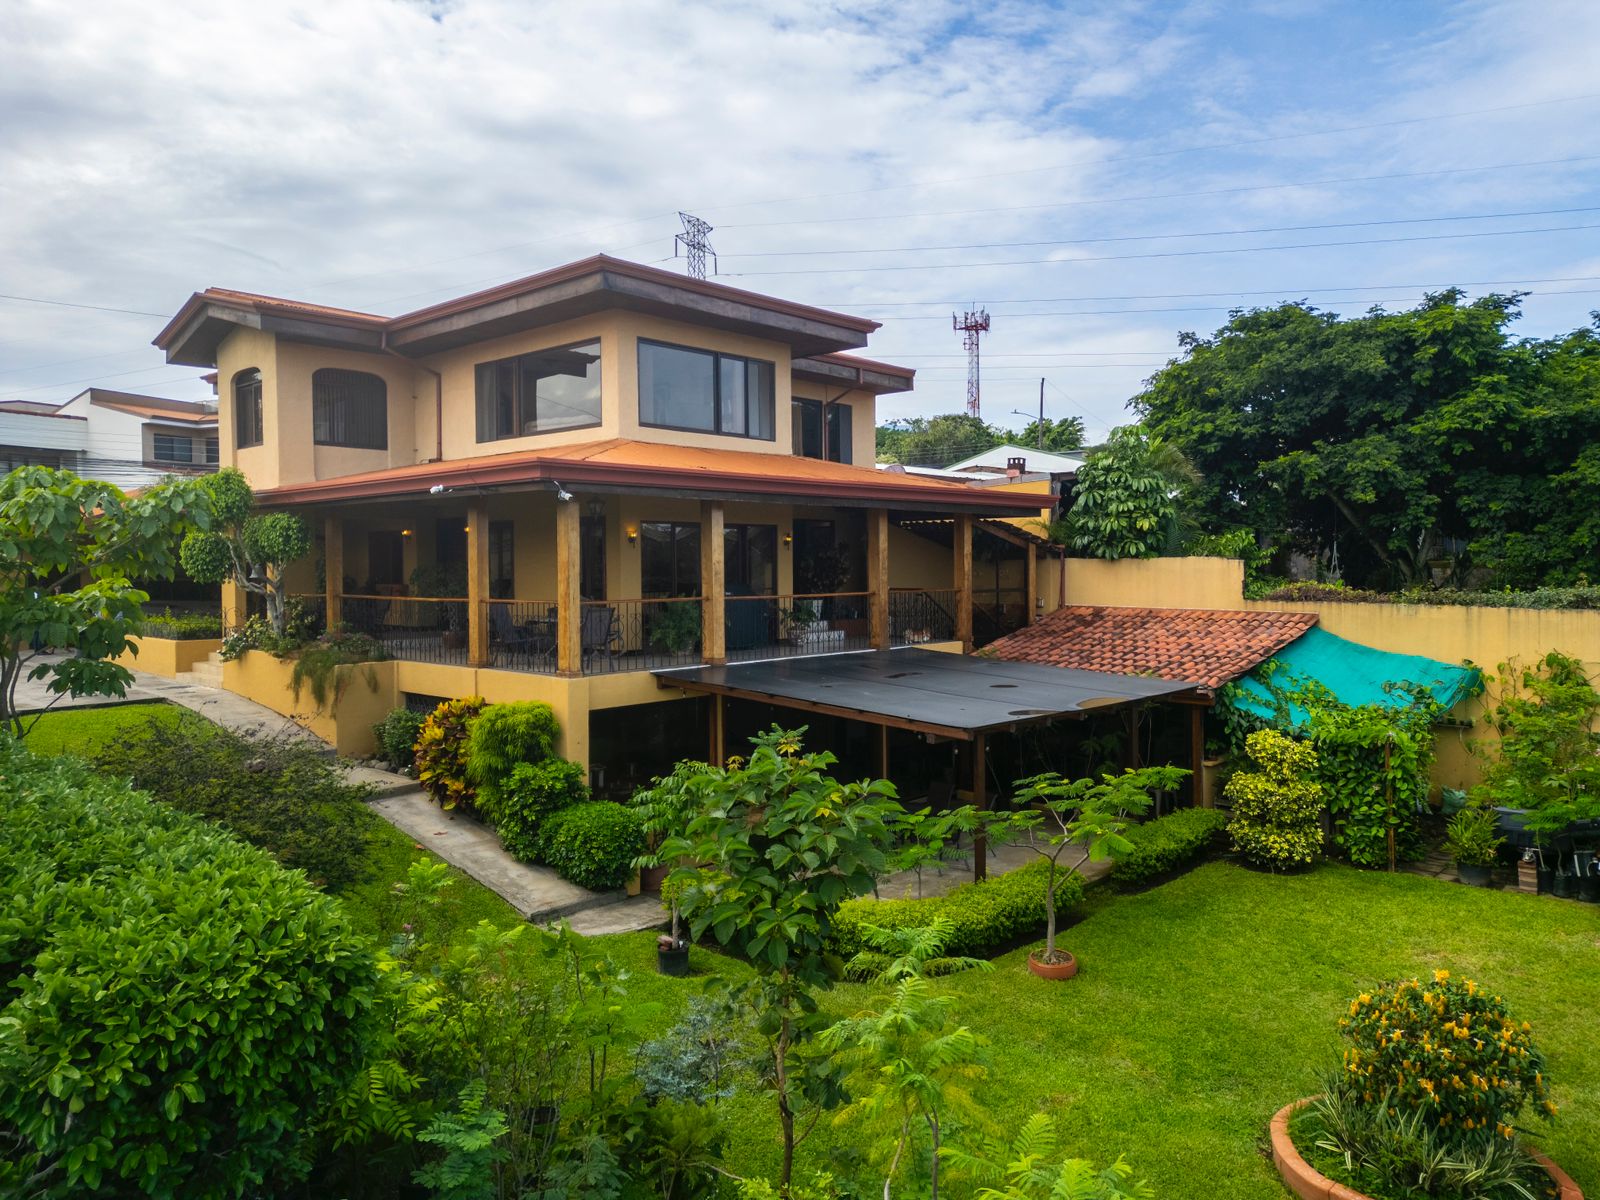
point(171, 448)
point(502, 560)
point(213, 451)
point(592, 558)
point(669, 559)
point(349, 408)
point(822, 431)
point(248, 427)
point(540, 392)
point(751, 560)
point(680, 388)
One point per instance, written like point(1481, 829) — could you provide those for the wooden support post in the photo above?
point(1134, 757)
point(883, 752)
point(878, 576)
point(569, 596)
point(980, 801)
point(333, 569)
point(1197, 757)
point(719, 731)
point(478, 581)
point(1030, 584)
point(961, 561)
point(713, 605)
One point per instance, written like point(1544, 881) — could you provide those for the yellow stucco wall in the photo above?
point(166, 656)
point(369, 693)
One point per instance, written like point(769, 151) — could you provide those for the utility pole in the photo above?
point(694, 245)
point(1017, 412)
point(972, 324)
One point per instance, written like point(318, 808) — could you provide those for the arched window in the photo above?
point(248, 429)
point(349, 408)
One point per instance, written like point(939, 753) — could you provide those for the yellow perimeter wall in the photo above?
point(1485, 637)
point(167, 656)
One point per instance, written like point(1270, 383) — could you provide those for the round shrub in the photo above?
point(1448, 1049)
point(396, 736)
point(531, 796)
point(594, 844)
point(441, 759)
point(1276, 808)
point(503, 736)
point(175, 1008)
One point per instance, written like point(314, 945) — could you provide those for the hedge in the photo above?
point(182, 626)
point(987, 917)
point(1167, 843)
point(593, 844)
point(1550, 597)
point(177, 1008)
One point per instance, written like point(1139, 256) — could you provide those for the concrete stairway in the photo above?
point(205, 674)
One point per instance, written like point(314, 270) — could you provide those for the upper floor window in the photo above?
point(167, 447)
point(349, 408)
point(823, 431)
point(700, 390)
point(248, 428)
point(213, 451)
point(539, 392)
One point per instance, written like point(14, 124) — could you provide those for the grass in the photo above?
point(1202, 1006)
point(83, 731)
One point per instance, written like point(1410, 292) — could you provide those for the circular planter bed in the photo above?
point(1308, 1183)
point(1065, 969)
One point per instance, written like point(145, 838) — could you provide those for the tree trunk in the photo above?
point(785, 1112)
point(933, 1177)
point(1050, 915)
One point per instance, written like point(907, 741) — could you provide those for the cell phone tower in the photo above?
point(694, 245)
point(973, 324)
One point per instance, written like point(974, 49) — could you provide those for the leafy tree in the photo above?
point(782, 845)
point(936, 441)
point(69, 549)
point(1127, 500)
point(1026, 1168)
point(1060, 436)
point(245, 548)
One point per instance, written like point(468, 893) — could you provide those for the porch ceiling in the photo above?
point(946, 695)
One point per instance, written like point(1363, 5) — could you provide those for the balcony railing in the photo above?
point(799, 625)
point(415, 628)
point(522, 635)
point(640, 635)
point(920, 615)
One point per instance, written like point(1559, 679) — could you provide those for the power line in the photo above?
point(71, 304)
point(1028, 262)
point(1151, 237)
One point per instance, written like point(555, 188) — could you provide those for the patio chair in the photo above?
point(517, 642)
point(599, 632)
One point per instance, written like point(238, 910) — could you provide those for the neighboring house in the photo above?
point(121, 437)
point(551, 489)
point(1023, 459)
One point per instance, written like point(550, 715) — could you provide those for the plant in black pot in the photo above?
point(667, 805)
point(1588, 864)
point(1471, 839)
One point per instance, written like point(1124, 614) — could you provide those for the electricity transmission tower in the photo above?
point(973, 324)
point(694, 245)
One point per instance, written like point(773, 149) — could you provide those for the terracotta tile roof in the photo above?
point(650, 466)
point(257, 300)
point(154, 408)
point(1203, 646)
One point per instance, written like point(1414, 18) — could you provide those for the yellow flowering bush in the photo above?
point(1447, 1049)
point(1276, 808)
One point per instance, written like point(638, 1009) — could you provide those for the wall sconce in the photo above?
point(788, 540)
point(405, 533)
point(633, 534)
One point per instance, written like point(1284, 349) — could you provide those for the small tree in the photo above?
point(1275, 808)
point(1126, 501)
point(783, 845)
point(245, 548)
point(1089, 814)
point(69, 549)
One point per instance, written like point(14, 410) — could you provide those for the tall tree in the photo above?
point(246, 548)
point(1060, 436)
point(69, 551)
point(936, 441)
point(1129, 500)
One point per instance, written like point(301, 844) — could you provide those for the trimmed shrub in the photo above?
point(1276, 808)
point(182, 627)
point(503, 736)
point(396, 736)
point(441, 757)
point(1168, 842)
point(534, 793)
point(282, 795)
point(1547, 597)
point(985, 917)
point(593, 845)
point(175, 1008)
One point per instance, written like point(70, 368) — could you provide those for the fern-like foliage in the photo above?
point(904, 953)
point(1027, 1167)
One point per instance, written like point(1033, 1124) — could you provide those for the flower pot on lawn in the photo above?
point(1564, 886)
point(672, 958)
point(1589, 888)
point(1474, 874)
point(1064, 967)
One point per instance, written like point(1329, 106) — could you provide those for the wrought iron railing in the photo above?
point(414, 628)
point(640, 635)
point(523, 635)
point(799, 625)
point(919, 615)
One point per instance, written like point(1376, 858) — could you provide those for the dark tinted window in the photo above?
point(681, 388)
point(349, 408)
point(539, 392)
point(247, 423)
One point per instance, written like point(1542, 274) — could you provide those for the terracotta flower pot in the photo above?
point(1065, 969)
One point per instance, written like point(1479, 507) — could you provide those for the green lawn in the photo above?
point(83, 731)
point(1202, 1006)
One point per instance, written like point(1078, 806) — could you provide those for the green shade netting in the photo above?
point(1356, 674)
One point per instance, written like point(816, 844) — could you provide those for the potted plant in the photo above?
point(672, 949)
point(667, 806)
point(675, 628)
point(1471, 839)
point(1088, 814)
point(799, 619)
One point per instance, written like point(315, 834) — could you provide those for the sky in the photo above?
point(1098, 176)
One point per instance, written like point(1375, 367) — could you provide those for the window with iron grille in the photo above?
point(172, 448)
point(248, 428)
point(349, 408)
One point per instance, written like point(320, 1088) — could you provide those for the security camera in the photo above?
point(437, 489)
point(561, 493)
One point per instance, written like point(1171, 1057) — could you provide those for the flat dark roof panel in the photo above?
point(950, 692)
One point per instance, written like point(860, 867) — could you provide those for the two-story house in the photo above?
point(124, 438)
point(556, 488)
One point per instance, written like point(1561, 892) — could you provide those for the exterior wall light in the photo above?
point(405, 533)
point(633, 534)
point(788, 540)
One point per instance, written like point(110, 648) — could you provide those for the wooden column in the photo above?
point(569, 597)
point(980, 801)
point(1030, 584)
point(961, 561)
point(713, 605)
point(477, 581)
point(883, 752)
point(1134, 757)
point(1197, 757)
point(878, 576)
point(719, 731)
point(333, 568)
